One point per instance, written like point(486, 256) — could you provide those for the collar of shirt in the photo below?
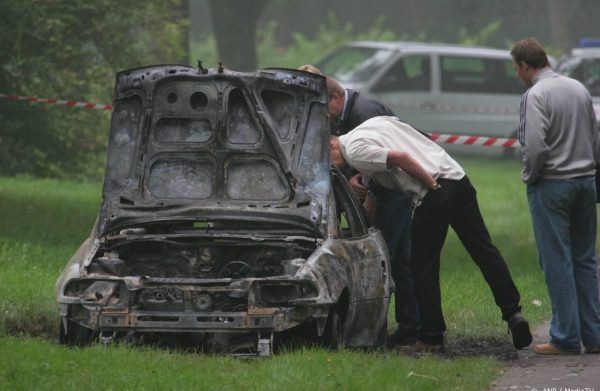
point(343, 150)
point(542, 74)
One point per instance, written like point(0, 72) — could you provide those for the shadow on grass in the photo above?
point(485, 346)
point(40, 325)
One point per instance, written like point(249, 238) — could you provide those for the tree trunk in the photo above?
point(184, 12)
point(235, 32)
point(559, 15)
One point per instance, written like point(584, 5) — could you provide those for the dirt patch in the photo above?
point(499, 348)
point(39, 325)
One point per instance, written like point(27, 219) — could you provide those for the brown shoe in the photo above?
point(548, 349)
point(592, 350)
point(421, 347)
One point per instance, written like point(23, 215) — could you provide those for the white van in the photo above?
point(438, 88)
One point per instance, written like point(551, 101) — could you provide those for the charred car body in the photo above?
point(221, 218)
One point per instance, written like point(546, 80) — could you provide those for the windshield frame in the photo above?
point(355, 64)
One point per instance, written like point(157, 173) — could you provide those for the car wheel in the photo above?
point(76, 334)
point(333, 337)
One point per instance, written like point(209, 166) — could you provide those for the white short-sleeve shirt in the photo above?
point(366, 147)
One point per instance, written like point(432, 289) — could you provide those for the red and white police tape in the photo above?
point(58, 102)
point(474, 140)
point(438, 138)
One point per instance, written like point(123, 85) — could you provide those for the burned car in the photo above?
point(222, 220)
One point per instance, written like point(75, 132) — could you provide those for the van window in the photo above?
point(410, 73)
point(474, 74)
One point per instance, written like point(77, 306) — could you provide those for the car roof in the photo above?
point(421, 47)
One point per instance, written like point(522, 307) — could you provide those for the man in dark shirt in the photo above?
point(348, 108)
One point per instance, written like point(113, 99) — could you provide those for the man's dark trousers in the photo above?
point(393, 217)
point(455, 205)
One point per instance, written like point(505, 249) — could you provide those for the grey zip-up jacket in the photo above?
point(557, 130)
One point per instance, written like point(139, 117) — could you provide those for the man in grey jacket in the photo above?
point(560, 148)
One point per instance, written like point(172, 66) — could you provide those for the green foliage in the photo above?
point(303, 49)
point(71, 50)
point(481, 37)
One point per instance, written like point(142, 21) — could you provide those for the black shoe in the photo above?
point(518, 327)
point(397, 338)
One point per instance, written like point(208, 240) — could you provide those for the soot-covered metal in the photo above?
point(222, 222)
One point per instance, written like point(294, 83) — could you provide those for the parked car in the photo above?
point(583, 64)
point(222, 221)
point(438, 88)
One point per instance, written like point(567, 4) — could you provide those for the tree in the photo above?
point(72, 50)
point(183, 20)
point(234, 25)
point(560, 14)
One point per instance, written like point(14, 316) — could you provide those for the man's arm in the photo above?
point(535, 148)
point(595, 133)
point(412, 167)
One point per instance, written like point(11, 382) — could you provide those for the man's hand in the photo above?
point(412, 167)
point(358, 187)
point(369, 205)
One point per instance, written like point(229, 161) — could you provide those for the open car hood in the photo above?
point(196, 144)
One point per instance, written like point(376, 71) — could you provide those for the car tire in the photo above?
point(333, 337)
point(76, 334)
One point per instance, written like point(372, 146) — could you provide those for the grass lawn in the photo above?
point(42, 223)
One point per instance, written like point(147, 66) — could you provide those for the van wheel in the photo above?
point(76, 334)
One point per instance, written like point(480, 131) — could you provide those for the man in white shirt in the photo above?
point(392, 215)
point(395, 155)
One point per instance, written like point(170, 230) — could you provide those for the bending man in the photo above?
point(395, 155)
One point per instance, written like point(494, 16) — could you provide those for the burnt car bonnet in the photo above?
point(188, 144)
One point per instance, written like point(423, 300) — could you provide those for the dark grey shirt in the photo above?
point(557, 129)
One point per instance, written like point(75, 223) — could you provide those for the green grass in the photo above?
point(38, 364)
point(42, 223)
